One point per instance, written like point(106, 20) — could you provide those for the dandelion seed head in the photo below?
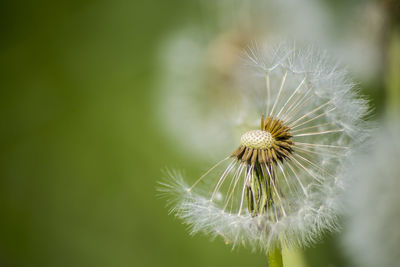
point(279, 186)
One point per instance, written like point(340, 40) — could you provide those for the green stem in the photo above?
point(393, 77)
point(293, 257)
point(275, 258)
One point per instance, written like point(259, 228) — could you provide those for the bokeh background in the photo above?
point(82, 146)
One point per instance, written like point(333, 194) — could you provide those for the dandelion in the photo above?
point(278, 186)
point(372, 235)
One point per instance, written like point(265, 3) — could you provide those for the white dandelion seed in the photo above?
point(372, 229)
point(278, 187)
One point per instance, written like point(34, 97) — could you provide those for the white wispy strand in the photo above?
point(372, 202)
point(312, 96)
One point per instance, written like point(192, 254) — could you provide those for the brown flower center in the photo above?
point(267, 146)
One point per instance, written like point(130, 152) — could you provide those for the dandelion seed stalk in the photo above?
point(293, 257)
point(393, 78)
point(275, 258)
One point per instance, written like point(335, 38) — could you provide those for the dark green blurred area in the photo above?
point(81, 151)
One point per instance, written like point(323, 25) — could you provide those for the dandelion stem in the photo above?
point(293, 258)
point(392, 78)
point(275, 258)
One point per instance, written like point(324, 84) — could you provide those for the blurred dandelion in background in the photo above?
point(198, 61)
point(372, 236)
point(279, 186)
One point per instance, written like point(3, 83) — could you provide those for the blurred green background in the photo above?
point(81, 149)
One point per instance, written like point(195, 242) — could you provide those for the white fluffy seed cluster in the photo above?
point(307, 91)
point(257, 139)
